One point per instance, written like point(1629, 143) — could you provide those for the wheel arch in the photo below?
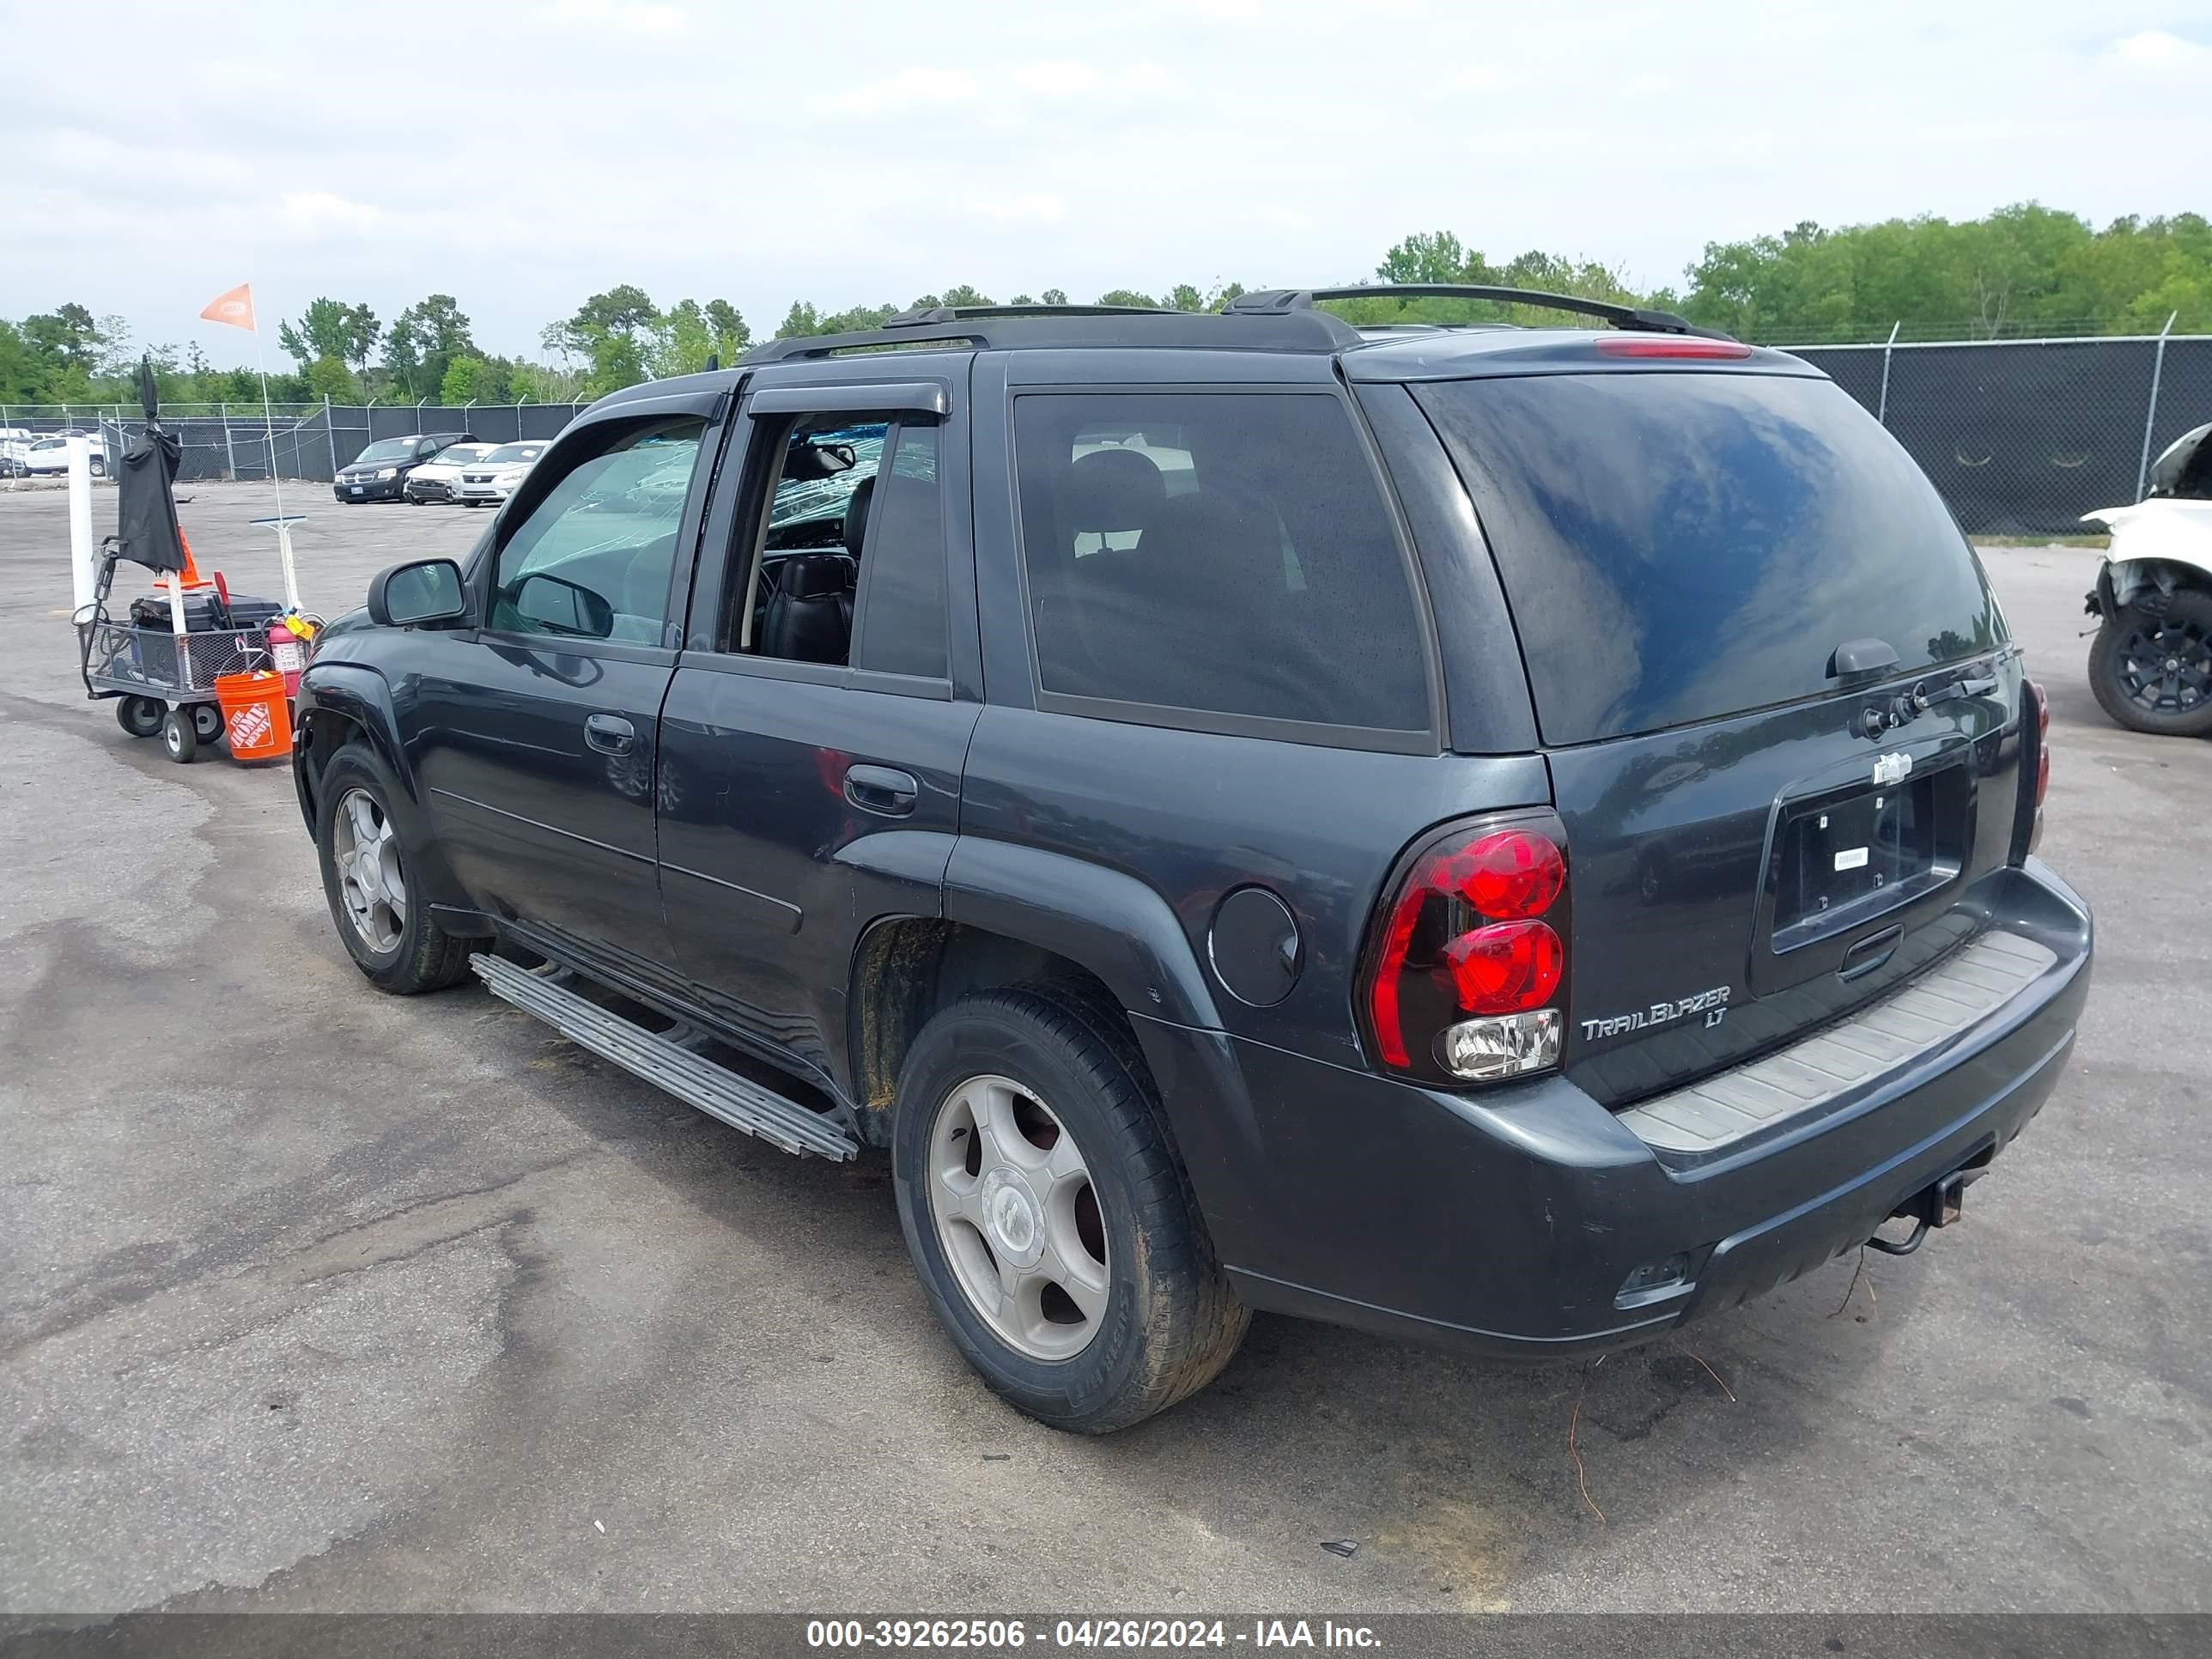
point(1013, 914)
point(340, 703)
point(2123, 582)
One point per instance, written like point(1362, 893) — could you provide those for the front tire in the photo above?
point(1048, 1217)
point(207, 721)
point(377, 905)
point(2151, 665)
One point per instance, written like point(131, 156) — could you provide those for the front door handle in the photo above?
point(884, 789)
point(610, 734)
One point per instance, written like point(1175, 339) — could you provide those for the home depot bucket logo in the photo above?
point(248, 728)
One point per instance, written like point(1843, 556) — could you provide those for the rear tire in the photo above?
point(178, 737)
point(2151, 669)
point(207, 721)
point(1164, 1321)
point(397, 946)
point(140, 716)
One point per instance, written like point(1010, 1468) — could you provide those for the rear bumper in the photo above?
point(1507, 1222)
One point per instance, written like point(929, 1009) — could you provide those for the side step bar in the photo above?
point(718, 1093)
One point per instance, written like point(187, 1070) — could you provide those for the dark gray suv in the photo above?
point(1512, 838)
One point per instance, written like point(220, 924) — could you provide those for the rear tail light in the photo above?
point(2042, 742)
point(2035, 774)
point(1465, 976)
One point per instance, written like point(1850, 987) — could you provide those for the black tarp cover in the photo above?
point(146, 512)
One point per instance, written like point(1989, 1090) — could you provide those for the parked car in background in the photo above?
point(379, 472)
point(433, 480)
point(13, 440)
point(1515, 838)
point(48, 455)
point(2151, 664)
point(498, 475)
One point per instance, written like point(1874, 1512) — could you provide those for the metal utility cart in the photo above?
point(164, 675)
point(165, 682)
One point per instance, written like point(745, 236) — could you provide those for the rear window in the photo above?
point(1216, 554)
point(1678, 547)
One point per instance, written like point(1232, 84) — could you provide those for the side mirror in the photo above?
point(559, 606)
point(427, 592)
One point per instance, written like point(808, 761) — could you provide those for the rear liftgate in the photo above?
point(664, 1059)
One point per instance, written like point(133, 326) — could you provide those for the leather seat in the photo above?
point(856, 516)
point(810, 616)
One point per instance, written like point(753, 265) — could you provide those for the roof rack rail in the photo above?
point(1276, 302)
point(983, 328)
point(917, 316)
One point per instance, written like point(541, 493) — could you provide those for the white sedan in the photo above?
point(488, 481)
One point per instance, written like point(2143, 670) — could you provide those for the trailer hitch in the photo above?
point(1938, 1205)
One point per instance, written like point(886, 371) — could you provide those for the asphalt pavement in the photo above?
point(315, 1299)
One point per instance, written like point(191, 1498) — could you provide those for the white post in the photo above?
point(269, 434)
point(84, 569)
point(2150, 418)
point(1881, 409)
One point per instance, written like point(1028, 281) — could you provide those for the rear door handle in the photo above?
point(884, 789)
point(610, 734)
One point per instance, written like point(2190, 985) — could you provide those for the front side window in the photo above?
point(1220, 553)
point(594, 558)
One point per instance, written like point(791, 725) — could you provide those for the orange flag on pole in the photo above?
point(235, 307)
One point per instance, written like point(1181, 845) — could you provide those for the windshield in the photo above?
point(390, 449)
point(807, 500)
point(1677, 547)
point(516, 453)
point(461, 454)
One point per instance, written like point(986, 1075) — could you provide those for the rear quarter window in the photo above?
point(1215, 554)
point(1679, 547)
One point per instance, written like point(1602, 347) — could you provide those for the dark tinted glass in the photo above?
point(1228, 554)
point(1681, 546)
point(900, 627)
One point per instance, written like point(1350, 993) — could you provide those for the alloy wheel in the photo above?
point(2165, 665)
point(1018, 1218)
point(366, 850)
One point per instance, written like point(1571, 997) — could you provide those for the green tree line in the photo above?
point(2021, 271)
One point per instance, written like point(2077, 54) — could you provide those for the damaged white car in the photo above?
point(2151, 667)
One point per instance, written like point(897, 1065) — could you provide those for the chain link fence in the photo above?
point(2023, 437)
point(304, 441)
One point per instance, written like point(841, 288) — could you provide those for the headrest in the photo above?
point(1114, 489)
point(815, 575)
point(856, 516)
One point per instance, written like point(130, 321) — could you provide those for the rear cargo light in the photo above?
point(1672, 348)
point(1466, 969)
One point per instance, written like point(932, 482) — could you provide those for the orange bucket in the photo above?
point(257, 725)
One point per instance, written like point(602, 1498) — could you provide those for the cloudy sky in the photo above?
point(522, 156)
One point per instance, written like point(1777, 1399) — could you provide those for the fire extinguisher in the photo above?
point(288, 649)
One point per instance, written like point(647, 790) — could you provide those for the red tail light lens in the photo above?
point(1506, 967)
point(2042, 741)
point(1463, 940)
